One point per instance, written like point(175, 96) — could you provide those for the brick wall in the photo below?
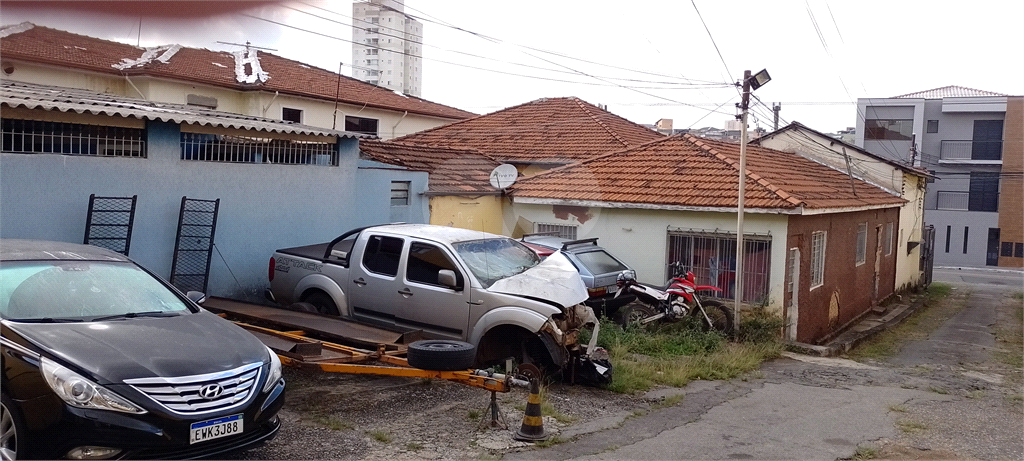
point(1011, 186)
point(848, 287)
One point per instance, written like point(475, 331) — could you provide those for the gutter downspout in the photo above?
point(396, 124)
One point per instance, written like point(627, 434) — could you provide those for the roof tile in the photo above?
point(56, 47)
point(688, 171)
point(549, 130)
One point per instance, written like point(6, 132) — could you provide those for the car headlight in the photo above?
point(80, 392)
point(274, 374)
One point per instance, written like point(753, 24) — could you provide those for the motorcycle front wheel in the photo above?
point(631, 314)
point(721, 317)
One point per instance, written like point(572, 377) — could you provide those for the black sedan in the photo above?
point(103, 360)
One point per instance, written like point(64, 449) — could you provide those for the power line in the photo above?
point(439, 60)
point(547, 69)
point(727, 72)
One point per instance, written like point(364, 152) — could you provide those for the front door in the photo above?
point(992, 255)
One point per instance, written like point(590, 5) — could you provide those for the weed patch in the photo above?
point(865, 453)
point(940, 305)
point(675, 354)
point(911, 426)
point(333, 424)
point(380, 436)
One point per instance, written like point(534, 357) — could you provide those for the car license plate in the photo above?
point(215, 428)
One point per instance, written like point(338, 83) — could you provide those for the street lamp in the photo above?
point(749, 82)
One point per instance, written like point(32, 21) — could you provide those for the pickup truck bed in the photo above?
point(329, 329)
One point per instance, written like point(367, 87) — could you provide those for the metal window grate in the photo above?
point(193, 247)
point(563, 231)
point(109, 222)
point(242, 149)
point(711, 256)
point(38, 137)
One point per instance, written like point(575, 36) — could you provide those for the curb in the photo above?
point(835, 348)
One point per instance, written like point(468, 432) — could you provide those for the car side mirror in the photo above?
point(197, 297)
point(447, 278)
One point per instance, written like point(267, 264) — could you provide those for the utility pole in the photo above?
point(776, 107)
point(749, 82)
point(913, 149)
point(738, 284)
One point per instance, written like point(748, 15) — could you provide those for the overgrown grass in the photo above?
point(940, 305)
point(674, 354)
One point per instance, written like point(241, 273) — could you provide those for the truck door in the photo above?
point(440, 311)
point(373, 285)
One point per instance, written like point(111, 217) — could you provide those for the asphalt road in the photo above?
point(946, 396)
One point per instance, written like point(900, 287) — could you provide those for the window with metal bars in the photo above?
point(711, 256)
point(243, 149)
point(818, 241)
point(39, 137)
point(563, 231)
point(862, 243)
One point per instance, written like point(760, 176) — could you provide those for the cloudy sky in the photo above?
point(646, 61)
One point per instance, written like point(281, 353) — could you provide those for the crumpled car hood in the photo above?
point(554, 279)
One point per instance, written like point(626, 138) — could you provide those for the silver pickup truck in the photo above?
point(488, 290)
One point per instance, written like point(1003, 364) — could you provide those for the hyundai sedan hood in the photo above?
point(555, 279)
point(115, 350)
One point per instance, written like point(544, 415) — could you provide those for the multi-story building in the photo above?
point(387, 46)
point(971, 140)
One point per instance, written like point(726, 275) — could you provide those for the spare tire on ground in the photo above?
point(441, 355)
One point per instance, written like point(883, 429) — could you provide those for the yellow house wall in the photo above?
point(315, 112)
point(477, 213)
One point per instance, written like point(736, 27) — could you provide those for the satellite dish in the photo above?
point(504, 175)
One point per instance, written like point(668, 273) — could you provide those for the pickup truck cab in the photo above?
point(448, 283)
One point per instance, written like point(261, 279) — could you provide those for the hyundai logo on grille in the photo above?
point(210, 391)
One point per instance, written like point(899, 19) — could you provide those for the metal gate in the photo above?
point(927, 254)
point(193, 247)
point(109, 222)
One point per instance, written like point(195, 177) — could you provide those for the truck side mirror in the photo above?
point(446, 277)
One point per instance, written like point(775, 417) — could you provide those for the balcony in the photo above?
point(958, 201)
point(972, 152)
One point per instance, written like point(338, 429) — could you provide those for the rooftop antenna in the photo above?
point(247, 45)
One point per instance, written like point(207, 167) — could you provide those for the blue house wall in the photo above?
point(262, 206)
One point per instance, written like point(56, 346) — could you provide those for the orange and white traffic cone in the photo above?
point(532, 429)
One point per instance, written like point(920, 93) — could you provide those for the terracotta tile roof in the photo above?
point(56, 47)
point(685, 171)
point(452, 171)
point(951, 91)
point(549, 130)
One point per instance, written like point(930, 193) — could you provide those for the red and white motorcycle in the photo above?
point(678, 299)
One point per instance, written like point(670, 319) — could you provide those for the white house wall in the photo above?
point(640, 237)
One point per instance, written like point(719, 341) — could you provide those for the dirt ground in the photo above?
point(337, 416)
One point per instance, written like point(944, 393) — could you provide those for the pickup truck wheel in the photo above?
point(441, 355)
point(324, 304)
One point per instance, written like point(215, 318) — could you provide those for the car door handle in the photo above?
point(359, 281)
point(405, 292)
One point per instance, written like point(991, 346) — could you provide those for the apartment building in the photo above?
point(971, 141)
point(387, 46)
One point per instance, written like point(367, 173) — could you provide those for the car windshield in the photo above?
point(56, 291)
point(600, 262)
point(491, 260)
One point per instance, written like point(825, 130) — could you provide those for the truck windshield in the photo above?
point(491, 260)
